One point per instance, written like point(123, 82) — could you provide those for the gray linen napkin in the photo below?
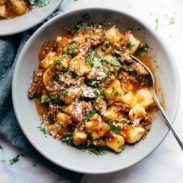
point(9, 128)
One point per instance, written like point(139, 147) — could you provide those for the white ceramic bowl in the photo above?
point(69, 157)
point(28, 20)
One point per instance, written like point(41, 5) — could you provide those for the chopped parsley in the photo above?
point(117, 52)
point(92, 82)
point(39, 3)
point(53, 97)
point(45, 99)
point(106, 94)
point(131, 69)
point(111, 60)
point(114, 128)
point(96, 92)
point(62, 126)
point(156, 24)
point(42, 128)
point(107, 45)
point(83, 23)
point(92, 60)
point(129, 45)
point(96, 62)
point(89, 116)
point(91, 113)
point(65, 93)
point(142, 49)
point(59, 59)
point(72, 48)
point(73, 74)
point(51, 118)
point(67, 138)
point(94, 149)
point(14, 160)
point(115, 93)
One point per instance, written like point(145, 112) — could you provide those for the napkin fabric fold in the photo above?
point(10, 131)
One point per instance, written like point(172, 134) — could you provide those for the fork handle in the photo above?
point(168, 123)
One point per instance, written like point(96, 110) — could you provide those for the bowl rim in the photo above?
point(68, 13)
point(54, 6)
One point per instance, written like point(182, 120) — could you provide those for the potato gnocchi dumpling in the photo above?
point(133, 134)
point(94, 96)
point(13, 8)
point(116, 142)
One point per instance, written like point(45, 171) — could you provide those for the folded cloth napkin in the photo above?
point(9, 129)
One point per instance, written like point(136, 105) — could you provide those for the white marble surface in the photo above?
point(163, 165)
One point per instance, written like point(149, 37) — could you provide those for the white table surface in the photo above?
point(165, 164)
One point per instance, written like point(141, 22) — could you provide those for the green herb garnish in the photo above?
point(73, 74)
point(14, 160)
point(114, 128)
point(89, 59)
point(116, 93)
point(39, 3)
point(97, 62)
point(45, 99)
point(92, 60)
point(83, 23)
point(94, 149)
point(53, 97)
point(65, 93)
point(131, 69)
point(142, 49)
point(85, 147)
point(106, 94)
point(111, 60)
point(156, 24)
point(92, 82)
point(59, 59)
point(96, 92)
point(67, 138)
point(42, 128)
point(107, 45)
point(62, 126)
point(51, 118)
point(91, 113)
point(72, 48)
point(120, 53)
point(129, 45)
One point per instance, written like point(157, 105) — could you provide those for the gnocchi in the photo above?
point(133, 134)
point(113, 34)
point(116, 143)
point(145, 98)
point(13, 8)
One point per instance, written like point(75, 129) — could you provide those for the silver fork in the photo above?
point(167, 121)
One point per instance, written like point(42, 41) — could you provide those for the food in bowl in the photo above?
point(13, 8)
point(89, 92)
